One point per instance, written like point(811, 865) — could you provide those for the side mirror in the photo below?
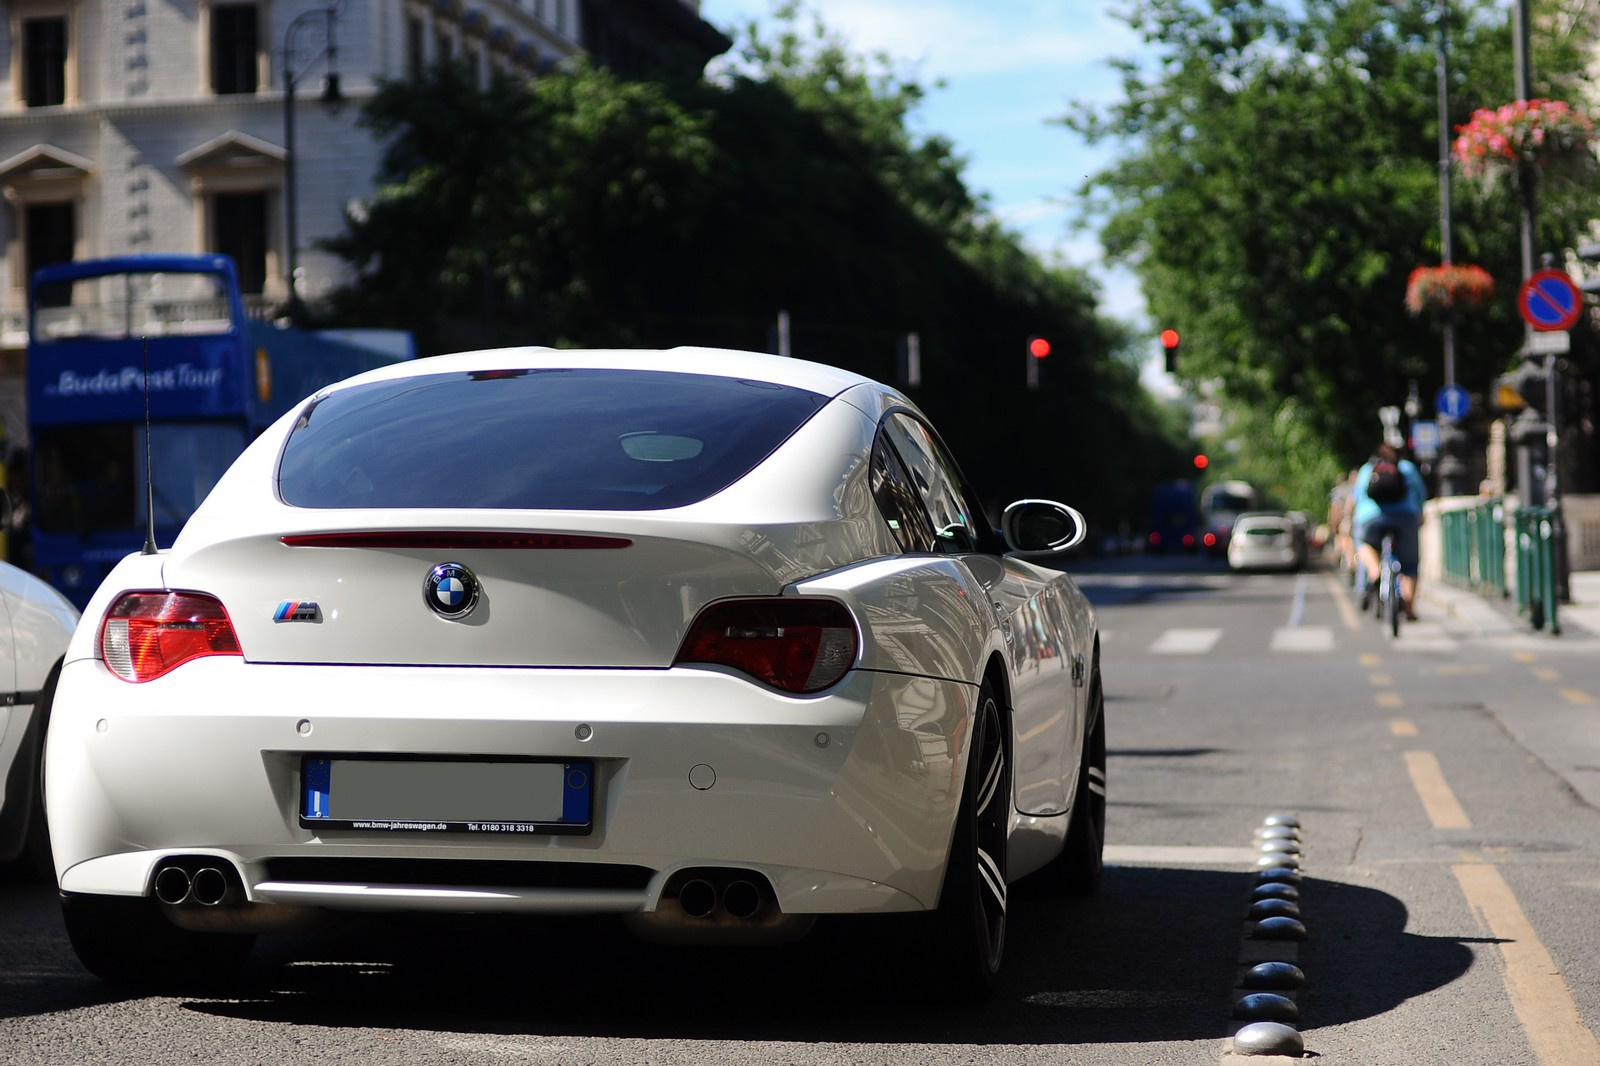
point(1042, 526)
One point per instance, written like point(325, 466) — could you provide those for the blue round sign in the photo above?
point(1549, 301)
point(1452, 401)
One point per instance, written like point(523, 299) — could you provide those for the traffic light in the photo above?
point(1169, 342)
point(1532, 382)
point(1201, 461)
point(1038, 348)
point(1506, 396)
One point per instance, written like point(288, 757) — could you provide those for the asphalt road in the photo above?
point(1450, 874)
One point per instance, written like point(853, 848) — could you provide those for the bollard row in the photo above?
point(1270, 976)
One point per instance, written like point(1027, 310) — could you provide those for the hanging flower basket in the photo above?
point(1538, 137)
point(1450, 287)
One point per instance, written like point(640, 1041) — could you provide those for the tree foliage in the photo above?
point(581, 209)
point(1281, 180)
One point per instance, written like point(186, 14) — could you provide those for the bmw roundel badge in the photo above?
point(451, 590)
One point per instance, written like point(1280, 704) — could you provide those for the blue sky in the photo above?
point(1008, 67)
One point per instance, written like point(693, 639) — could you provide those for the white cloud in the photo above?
point(951, 38)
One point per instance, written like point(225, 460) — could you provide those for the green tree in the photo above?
point(1280, 183)
point(586, 210)
point(524, 213)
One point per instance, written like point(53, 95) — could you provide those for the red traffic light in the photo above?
point(1038, 347)
point(1169, 339)
point(1201, 462)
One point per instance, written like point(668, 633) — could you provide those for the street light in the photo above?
point(329, 17)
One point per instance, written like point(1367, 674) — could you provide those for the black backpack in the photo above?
point(1386, 484)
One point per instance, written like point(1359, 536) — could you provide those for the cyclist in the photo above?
point(1380, 508)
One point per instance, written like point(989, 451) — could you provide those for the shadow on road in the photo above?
point(1152, 959)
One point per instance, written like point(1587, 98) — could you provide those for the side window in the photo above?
point(937, 483)
point(239, 229)
point(416, 45)
point(897, 499)
point(44, 61)
point(235, 40)
point(50, 233)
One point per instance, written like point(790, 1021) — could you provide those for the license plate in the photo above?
point(413, 795)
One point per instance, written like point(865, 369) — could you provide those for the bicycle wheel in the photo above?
point(1396, 607)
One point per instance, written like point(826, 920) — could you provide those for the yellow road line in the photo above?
point(1437, 799)
point(1523, 656)
point(1546, 673)
point(1390, 701)
point(1403, 727)
point(1380, 679)
point(1369, 659)
point(1581, 698)
point(1538, 993)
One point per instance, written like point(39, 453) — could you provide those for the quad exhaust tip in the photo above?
point(198, 881)
point(739, 898)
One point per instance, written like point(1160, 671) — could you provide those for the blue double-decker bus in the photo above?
point(150, 362)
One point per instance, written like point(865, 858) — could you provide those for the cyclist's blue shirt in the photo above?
point(1416, 494)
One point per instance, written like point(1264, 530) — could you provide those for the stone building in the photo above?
point(144, 126)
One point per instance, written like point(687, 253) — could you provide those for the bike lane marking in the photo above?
point(1539, 994)
point(1444, 810)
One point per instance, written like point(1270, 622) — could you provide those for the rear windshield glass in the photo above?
point(550, 439)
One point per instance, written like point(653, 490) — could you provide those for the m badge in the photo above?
point(297, 611)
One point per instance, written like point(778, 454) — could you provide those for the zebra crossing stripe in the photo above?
point(1302, 638)
point(1186, 642)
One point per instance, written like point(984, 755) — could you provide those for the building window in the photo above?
point(50, 235)
point(44, 61)
point(416, 46)
point(239, 230)
point(235, 42)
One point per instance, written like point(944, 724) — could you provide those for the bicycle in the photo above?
point(1390, 602)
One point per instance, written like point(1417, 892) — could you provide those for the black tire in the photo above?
point(1396, 608)
point(30, 846)
point(1079, 868)
point(971, 919)
point(1082, 860)
point(126, 940)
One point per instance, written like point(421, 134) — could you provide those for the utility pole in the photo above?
point(1452, 439)
point(1536, 435)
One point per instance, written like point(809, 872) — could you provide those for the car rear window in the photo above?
point(569, 439)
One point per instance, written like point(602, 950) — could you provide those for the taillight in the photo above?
point(146, 634)
point(791, 644)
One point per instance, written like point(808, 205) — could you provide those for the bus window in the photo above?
point(119, 306)
point(186, 460)
point(91, 479)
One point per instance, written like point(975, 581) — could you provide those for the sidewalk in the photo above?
point(1489, 613)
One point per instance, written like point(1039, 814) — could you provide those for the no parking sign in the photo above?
point(1549, 301)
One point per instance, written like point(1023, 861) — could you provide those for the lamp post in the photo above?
point(1537, 438)
point(329, 18)
point(1452, 438)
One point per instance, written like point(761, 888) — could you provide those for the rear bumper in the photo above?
point(843, 803)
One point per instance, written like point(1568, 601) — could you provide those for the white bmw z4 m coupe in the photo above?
point(716, 642)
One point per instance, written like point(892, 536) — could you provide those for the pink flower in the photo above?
point(1521, 133)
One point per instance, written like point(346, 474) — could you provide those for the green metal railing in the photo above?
point(1475, 547)
point(1536, 571)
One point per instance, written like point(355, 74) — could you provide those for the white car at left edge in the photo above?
point(36, 624)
